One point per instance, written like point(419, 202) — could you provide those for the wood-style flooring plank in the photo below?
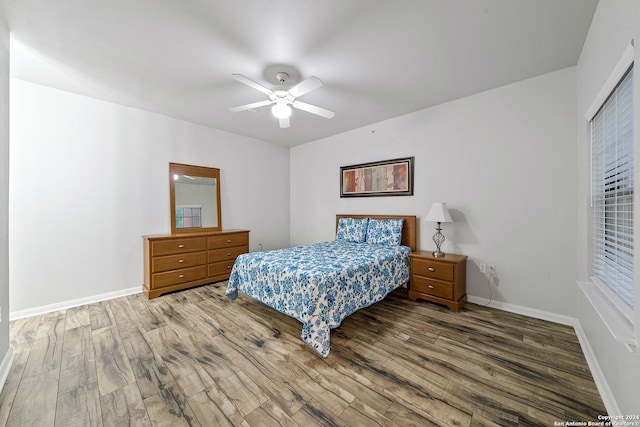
point(268, 415)
point(35, 401)
point(46, 350)
point(149, 319)
point(168, 408)
point(124, 313)
point(79, 407)
point(23, 331)
point(197, 358)
point(207, 411)
point(78, 367)
point(100, 315)
point(77, 317)
point(7, 397)
point(124, 407)
point(315, 414)
point(150, 371)
point(112, 364)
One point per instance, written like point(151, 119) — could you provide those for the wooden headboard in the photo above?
point(408, 229)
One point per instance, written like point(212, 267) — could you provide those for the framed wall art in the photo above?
point(385, 178)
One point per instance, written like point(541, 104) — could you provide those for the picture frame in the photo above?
point(384, 178)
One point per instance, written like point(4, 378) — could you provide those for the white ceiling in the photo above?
point(378, 59)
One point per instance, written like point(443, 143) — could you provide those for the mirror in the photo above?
point(195, 198)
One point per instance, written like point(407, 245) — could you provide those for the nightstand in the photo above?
point(442, 280)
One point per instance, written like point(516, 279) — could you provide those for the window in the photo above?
point(612, 194)
point(189, 217)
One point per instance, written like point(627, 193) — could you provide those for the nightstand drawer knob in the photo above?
point(181, 276)
point(431, 287)
point(431, 269)
point(181, 246)
point(180, 261)
point(228, 240)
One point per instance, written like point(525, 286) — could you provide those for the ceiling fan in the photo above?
point(284, 99)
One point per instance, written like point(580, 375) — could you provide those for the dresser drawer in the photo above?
point(178, 246)
point(432, 287)
point(227, 240)
point(432, 269)
point(226, 254)
point(175, 262)
point(179, 276)
point(220, 268)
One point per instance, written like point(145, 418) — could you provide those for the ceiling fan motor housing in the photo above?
point(282, 77)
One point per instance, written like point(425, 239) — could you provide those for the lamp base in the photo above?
point(438, 239)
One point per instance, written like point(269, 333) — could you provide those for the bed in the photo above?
point(321, 284)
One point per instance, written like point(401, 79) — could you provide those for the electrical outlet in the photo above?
point(483, 268)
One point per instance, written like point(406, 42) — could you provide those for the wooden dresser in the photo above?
point(439, 279)
point(174, 262)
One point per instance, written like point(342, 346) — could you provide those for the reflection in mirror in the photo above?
point(195, 198)
point(195, 201)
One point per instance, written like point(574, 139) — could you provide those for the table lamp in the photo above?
point(438, 213)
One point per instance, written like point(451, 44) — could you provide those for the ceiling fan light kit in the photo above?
point(281, 111)
point(284, 99)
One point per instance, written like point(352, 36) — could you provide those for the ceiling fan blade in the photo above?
point(305, 86)
point(285, 123)
point(250, 106)
point(313, 109)
point(249, 82)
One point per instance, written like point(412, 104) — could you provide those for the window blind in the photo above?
point(612, 191)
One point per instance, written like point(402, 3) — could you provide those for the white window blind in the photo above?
point(612, 192)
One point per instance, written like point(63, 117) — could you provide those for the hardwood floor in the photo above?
point(197, 358)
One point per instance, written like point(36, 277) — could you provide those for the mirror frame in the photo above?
point(201, 171)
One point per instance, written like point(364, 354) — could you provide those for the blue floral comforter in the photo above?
point(320, 284)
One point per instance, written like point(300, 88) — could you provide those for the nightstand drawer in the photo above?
point(432, 269)
point(432, 287)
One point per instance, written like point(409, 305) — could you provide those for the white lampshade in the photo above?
point(438, 213)
point(281, 111)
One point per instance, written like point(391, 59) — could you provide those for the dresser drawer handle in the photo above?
point(228, 267)
point(431, 269)
point(180, 260)
point(431, 287)
point(228, 253)
point(181, 246)
point(228, 240)
point(181, 276)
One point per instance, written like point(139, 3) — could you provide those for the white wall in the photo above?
point(89, 178)
point(4, 193)
point(503, 160)
point(614, 24)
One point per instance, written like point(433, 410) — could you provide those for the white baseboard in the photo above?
point(19, 314)
point(525, 311)
point(594, 367)
point(5, 367)
point(597, 374)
